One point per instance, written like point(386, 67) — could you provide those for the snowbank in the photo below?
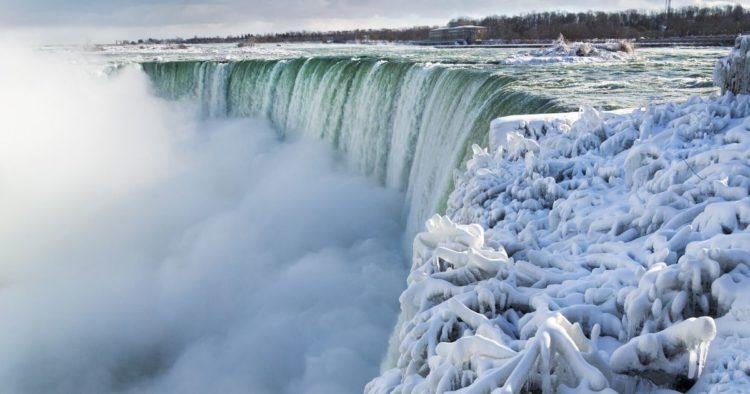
point(575, 52)
point(588, 252)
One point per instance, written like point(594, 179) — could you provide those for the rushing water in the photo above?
point(405, 116)
point(655, 74)
point(404, 124)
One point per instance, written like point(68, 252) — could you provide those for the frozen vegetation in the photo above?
point(589, 252)
point(562, 51)
point(733, 72)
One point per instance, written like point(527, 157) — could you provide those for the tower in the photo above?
point(668, 9)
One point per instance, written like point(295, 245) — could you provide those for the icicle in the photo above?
point(692, 363)
point(545, 363)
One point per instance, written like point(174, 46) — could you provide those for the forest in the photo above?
point(681, 22)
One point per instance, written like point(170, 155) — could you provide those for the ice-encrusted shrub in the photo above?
point(585, 257)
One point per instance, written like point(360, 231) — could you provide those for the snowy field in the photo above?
point(590, 252)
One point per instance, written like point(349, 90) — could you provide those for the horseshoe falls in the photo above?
point(406, 125)
point(223, 219)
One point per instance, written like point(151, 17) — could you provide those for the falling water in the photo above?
point(407, 125)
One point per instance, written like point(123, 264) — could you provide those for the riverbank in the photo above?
point(694, 41)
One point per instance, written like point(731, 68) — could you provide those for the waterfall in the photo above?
point(407, 125)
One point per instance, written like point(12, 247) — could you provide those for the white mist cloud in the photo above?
point(144, 251)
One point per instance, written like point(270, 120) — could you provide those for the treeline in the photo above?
point(406, 34)
point(681, 22)
point(416, 33)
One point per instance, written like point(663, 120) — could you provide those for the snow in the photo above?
point(562, 51)
point(588, 252)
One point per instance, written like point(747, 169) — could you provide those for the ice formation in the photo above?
point(562, 51)
point(733, 72)
point(589, 252)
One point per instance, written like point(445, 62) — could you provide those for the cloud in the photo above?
point(146, 251)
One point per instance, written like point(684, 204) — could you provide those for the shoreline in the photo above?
point(688, 42)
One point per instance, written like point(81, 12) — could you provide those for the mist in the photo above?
point(145, 250)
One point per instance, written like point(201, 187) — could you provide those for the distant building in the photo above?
point(462, 34)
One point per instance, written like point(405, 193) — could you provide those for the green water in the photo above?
point(406, 116)
point(404, 124)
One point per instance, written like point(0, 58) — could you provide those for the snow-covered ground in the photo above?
point(590, 252)
point(574, 52)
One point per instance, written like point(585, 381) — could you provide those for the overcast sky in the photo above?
point(91, 20)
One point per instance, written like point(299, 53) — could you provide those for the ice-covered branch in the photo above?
point(679, 350)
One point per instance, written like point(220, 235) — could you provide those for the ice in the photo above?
point(733, 72)
point(588, 252)
point(679, 350)
point(562, 51)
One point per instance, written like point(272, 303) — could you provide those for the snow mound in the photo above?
point(588, 252)
point(562, 51)
point(733, 72)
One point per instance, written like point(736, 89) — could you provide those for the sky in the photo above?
point(104, 20)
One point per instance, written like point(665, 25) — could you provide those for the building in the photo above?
point(460, 34)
